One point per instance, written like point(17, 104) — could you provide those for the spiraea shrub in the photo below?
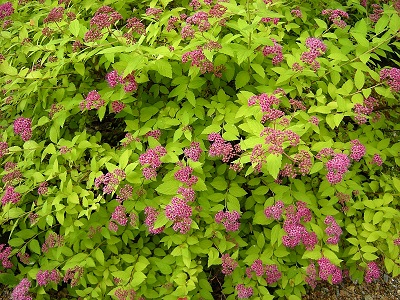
point(197, 150)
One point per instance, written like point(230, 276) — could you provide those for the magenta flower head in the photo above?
point(372, 272)
point(6, 10)
point(22, 127)
point(20, 292)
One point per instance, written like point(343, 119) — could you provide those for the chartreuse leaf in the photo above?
point(274, 163)
point(213, 257)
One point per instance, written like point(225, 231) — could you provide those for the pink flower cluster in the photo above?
point(271, 271)
point(199, 60)
point(151, 217)
point(93, 101)
point(377, 159)
point(193, 152)
point(6, 10)
point(337, 167)
point(188, 194)
point(185, 176)
point(10, 196)
point(218, 11)
point(22, 127)
point(275, 138)
point(24, 257)
point(372, 272)
point(244, 292)
point(55, 15)
point(317, 48)
point(135, 25)
point(272, 274)
point(229, 219)
point(377, 13)
point(151, 158)
point(273, 20)
point(13, 175)
point(357, 150)
point(121, 294)
point(119, 215)
point(325, 152)
point(104, 17)
point(20, 292)
point(314, 120)
point(333, 230)
point(265, 101)
point(52, 240)
point(5, 253)
point(336, 15)
point(113, 78)
point(44, 277)
point(297, 13)
point(154, 133)
point(295, 230)
point(327, 269)
point(129, 82)
point(117, 106)
point(365, 109)
point(258, 157)
point(297, 104)
point(3, 149)
point(124, 193)
point(396, 242)
point(179, 212)
point(275, 50)
point(220, 147)
point(43, 188)
point(311, 278)
point(171, 23)
point(288, 170)
point(392, 76)
point(275, 211)
point(110, 180)
point(200, 19)
point(228, 264)
point(152, 11)
point(73, 275)
point(303, 161)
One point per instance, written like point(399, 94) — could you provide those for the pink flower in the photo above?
point(228, 264)
point(22, 127)
point(243, 292)
point(372, 272)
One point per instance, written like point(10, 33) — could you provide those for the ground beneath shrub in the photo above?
point(385, 288)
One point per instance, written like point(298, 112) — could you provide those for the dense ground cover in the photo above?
point(182, 150)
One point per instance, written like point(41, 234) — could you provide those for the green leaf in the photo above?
point(80, 68)
point(164, 68)
point(242, 78)
point(213, 257)
point(74, 27)
point(168, 187)
point(258, 69)
point(369, 249)
point(359, 79)
point(8, 279)
point(233, 203)
point(219, 183)
point(137, 279)
point(124, 158)
point(274, 164)
point(99, 255)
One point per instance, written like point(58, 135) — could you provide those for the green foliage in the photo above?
point(187, 89)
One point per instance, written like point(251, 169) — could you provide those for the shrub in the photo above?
point(176, 150)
